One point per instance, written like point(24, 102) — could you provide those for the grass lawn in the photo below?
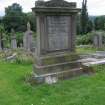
point(84, 90)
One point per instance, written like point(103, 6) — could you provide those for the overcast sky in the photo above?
point(95, 7)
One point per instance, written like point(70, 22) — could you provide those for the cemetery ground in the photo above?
point(83, 90)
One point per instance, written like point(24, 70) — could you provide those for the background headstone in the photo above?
point(0, 45)
point(98, 40)
point(13, 39)
point(21, 45)
point(28, 38)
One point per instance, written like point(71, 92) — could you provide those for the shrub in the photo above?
point(24, 58)
point(88, 38)
point(84, 40)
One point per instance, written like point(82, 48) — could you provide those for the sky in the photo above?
point(95, 7)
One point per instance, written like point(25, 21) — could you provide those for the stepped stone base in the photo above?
point(50, 69)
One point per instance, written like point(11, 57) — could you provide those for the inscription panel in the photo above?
point(58, 31)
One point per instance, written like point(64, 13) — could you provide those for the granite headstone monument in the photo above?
point(55, 56)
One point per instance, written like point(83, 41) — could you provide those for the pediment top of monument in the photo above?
point(55, 3)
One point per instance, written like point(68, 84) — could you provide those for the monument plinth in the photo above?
point(55, 56)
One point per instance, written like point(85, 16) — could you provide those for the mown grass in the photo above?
point(84, 90)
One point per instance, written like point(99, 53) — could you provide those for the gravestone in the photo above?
point(98, 40)
point(2, 41)
point(21, 45)
point(0, 45)
point(28, 38)
point(55, 56)
point(13, 39)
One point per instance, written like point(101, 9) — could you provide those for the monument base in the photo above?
point(51, 68)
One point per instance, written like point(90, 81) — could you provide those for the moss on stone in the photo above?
point(60, 59)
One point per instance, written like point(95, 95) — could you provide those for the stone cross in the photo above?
point(13, 39)
point(28, 38)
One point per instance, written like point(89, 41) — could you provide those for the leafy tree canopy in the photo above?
point(15, 18)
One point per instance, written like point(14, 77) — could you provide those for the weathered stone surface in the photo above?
point(58, 32)
point(97, 58)
point(11, 58)
point(55, 3)
point(13, 39)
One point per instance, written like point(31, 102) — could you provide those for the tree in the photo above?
point(15, 18)
point(78, 24)
point(2, 31)
point(14, 8)
point(32, 20)
point(84, 18)
point(89, 26)
point(0, 20)
point(99, 23)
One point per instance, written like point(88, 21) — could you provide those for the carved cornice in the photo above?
point(55, 3)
